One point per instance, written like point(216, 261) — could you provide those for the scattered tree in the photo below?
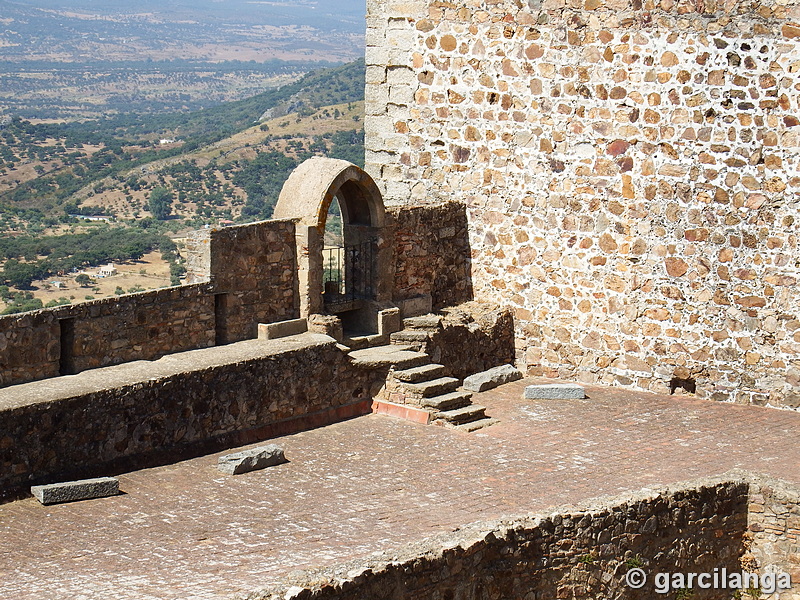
point(83, 280)
point(160, 203)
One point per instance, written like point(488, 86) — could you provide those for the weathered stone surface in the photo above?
point(252, 459)
point(271, 331)
point(486, 380)
point(432, 250)
point(613, 157)
point(554, 391)
point(428, 321)
point(71, 491)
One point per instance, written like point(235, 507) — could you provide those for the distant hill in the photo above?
point(43, 167)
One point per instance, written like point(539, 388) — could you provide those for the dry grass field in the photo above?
point(148, 273)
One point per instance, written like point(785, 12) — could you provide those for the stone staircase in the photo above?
point(414, 381)
point(427, 386)
point(417, 331)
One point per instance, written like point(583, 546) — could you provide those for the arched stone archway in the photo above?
point(306, 197)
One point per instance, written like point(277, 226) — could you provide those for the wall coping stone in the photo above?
point(272, 331)
point(253, 459)
point(555, 391)
point(132, 373)
point(491, 378)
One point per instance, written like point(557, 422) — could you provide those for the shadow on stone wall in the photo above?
point(432, 254)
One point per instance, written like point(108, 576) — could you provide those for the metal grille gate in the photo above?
point(348, 273)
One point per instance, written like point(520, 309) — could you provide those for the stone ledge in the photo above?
point(271, 331)
point(72, 491)
point(555, 391)
point(137, 372)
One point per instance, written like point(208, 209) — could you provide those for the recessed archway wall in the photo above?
point(306, 197)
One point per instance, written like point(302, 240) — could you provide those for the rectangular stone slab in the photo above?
point(251, 460)
point(555, 391)
point(70, 491)
point(272, 331)
point(486, 380)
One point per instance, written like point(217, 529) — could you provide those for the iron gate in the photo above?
point(348, 273)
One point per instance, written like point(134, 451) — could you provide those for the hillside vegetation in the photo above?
point(148, 175)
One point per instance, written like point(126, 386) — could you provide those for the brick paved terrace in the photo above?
point(186, 531)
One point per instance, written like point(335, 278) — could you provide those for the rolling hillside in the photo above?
point(145, 177)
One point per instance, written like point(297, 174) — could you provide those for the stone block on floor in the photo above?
point(253, 459)
point(486, 380)
point(71, 491)
point(555, 391)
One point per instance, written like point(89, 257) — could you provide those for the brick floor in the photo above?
point(187, 532)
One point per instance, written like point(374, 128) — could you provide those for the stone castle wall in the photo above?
point(140, 414)
point(256, 268)
point(141, 326)
point(630, 172)
point(251, 278)
point(568, 553)
point(239, 277)
point(774, 528)
point(432, 254)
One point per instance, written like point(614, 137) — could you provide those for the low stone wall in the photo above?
point(569, 553)
point(243, 276)
point(473, 338)
point(432, 253)
point(70, 339)
point(143, 413)
point(774, 530)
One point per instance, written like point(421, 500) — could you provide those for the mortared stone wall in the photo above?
point(630, 173)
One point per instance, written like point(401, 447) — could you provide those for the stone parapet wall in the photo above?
point(105, 332)
point(255, 266)
point(630, 171)
point(774, 529)
point(432, 253)
point(581, 554)
point(251, 277)
point(143, 413)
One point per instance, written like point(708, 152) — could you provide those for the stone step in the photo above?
point(457, 416)
point(423, 322)
point(447, 401)
point(417, 374)
point(409, 336)
point(401, 357)
point(471, 426)
point(434, 387)
point(359, 342)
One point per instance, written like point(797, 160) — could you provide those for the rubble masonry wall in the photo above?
point(630, 175)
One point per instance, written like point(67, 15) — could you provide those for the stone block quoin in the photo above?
point(629, 172)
